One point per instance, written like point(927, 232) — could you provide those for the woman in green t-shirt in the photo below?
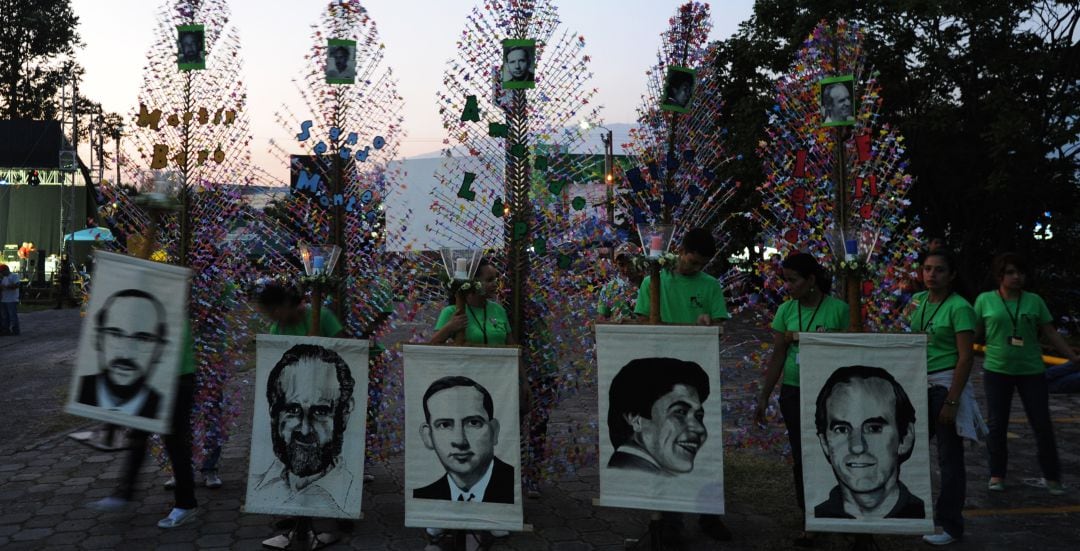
point(484, 320)
point(289, 314)
point(949, 322)
point(810, 308)
point(1011, 321)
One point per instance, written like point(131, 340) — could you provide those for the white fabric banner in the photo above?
point(308, 427)
point(866, 460)
point(661, 435)
point(131, 343)
point(462, 438)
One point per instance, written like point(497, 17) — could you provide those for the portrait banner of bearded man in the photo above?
point(308, 427)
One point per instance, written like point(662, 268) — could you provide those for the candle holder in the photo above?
point(319, 262)
point(655, 241)
point(460, 266)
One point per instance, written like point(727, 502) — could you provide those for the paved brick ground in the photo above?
point(46, 478)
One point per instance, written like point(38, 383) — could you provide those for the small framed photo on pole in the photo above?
point(678, 89)
point(519, 64)
point(190, 47)
point(838, 101)
point(340, 61)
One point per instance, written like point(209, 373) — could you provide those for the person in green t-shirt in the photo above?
point(949, 322)
point(288, 313)
point(485, 321)
point(1011, 320)
point(810, 308)
point(688, 295)
point(616, 297)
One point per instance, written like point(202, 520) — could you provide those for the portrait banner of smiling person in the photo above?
point(838, 101)
point(131, 344)
point(308, 427)
point(661, 436)
point(462, 438)
point(866, 458)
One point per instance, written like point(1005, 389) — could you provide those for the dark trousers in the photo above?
point(177, 444)
point(789, 408)
point(950, 502)
point(1036, 399)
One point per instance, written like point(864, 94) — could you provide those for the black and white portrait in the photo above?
point(131, 342)
point(838, 101)
point(660, 447)
point(308, 434)
point(655, 415)
point(190, 47)
point(519, 64)
point(461, 429)
point(340, 61)
point(867, 469)
point(678, 89)
point(462, 438)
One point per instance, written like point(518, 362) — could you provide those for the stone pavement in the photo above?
point(45, 480)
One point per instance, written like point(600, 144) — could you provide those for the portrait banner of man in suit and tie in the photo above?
point(462, 438)
point(866, 458)
point(308, 427)
point(661, 439)
point(131, 343)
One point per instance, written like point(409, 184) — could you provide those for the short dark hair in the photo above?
point(275, 395)
point(527, 50)
point(453, 382)
point(274, 294)
point(340, 50)
point(806, 265)
point(905, 411)
point(640, 383)
point(700, 241)
point(1003, 260)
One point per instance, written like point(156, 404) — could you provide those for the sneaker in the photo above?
point(939, 539)
point(1055, 488)
point(532, 490)
point(996, 484)
point(170, 483)
point(109, 504)
point(368, 477)
point(714, 527)
point(178, 517)
point(435, 535)
point(212, 480)
point(500, 533)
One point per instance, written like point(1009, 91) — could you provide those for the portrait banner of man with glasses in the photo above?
point(131, 343)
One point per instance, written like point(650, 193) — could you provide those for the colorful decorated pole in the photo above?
point(835, 179)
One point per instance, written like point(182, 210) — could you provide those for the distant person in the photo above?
point(836, 102)
point(866, 427)
point(288, 313)
point(1011, 320)
point(656, 420)
point(616, 301)
point(461, 428)
point(9, 301)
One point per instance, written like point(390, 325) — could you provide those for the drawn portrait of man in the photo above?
point(866, 427)
point(460, 427)
point(189, 45)
point(341, 61)
point(678, 89)
point(837, 101)
point(519, 64)
point(656, 416)
point(309, 393)
point(129, 337)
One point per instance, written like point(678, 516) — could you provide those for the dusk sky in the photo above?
point(622, 37)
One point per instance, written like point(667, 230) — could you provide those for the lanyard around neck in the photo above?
point(922, 312)
point(1014, 318)
point(483, 326)
point(809, 324)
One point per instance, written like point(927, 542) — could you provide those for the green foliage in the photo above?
point(986, 93)
point(37, 42)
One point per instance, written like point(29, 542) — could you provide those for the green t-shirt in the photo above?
point(941, 322)
point(996, 315)
point(831, 315)
point(487, 325)
point(329, 326)
point(684, 298)
point(616, 299)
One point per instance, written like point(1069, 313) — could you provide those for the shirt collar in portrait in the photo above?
point(279, 486)
point(636, 451)
point(131, 407)
point(477, 490)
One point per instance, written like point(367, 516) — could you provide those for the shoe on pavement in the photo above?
point(500, 533)
point(1055, 488)
point(170, 483)
point(939, 539)
point(996, 485)
point(212, 480)
point(178, 517)
point(109, 504)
